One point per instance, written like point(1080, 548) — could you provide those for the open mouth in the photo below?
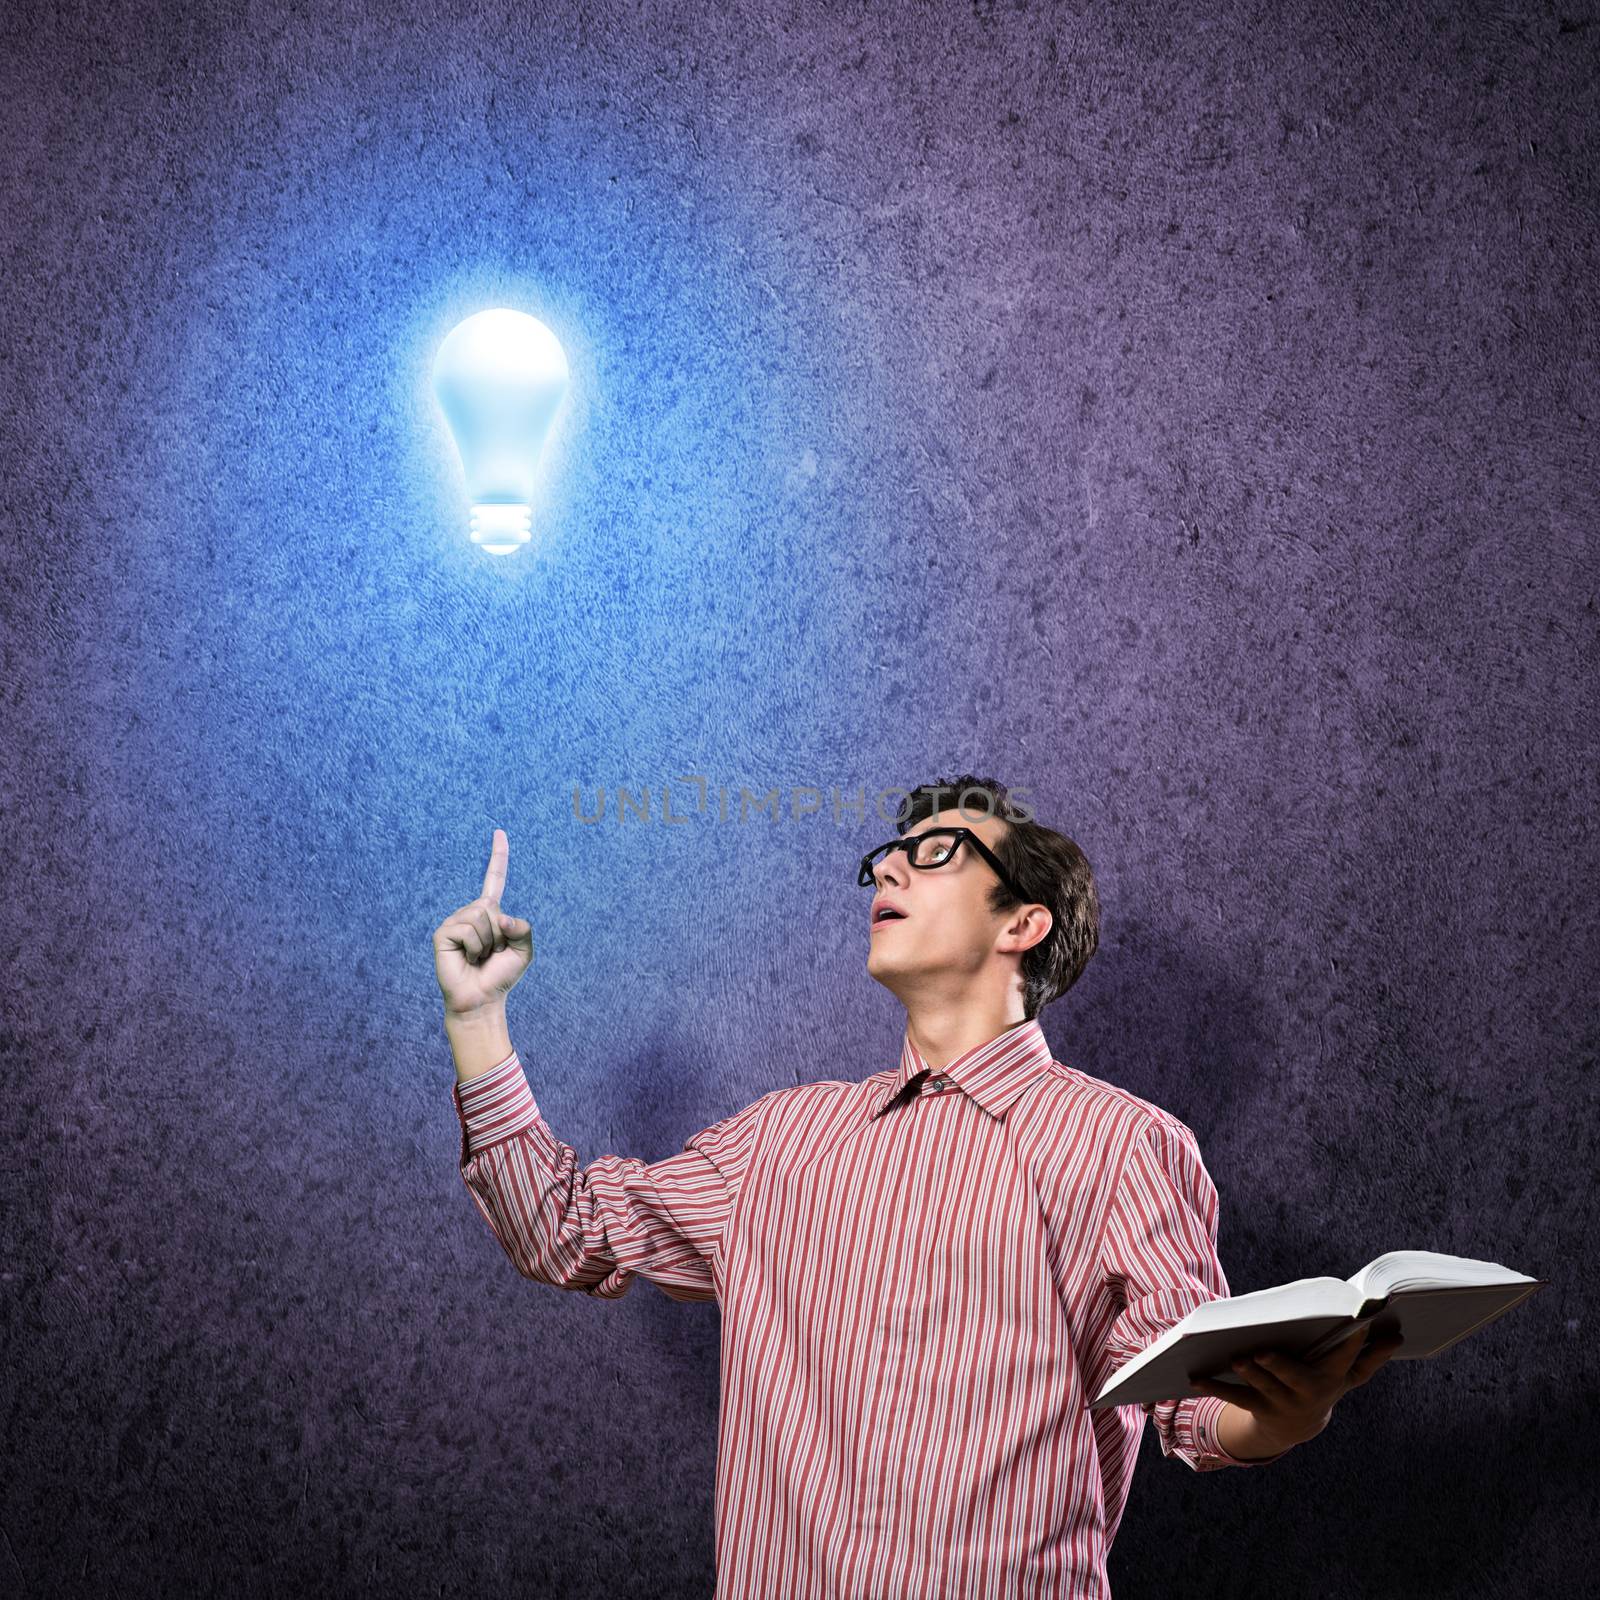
point(887, 914)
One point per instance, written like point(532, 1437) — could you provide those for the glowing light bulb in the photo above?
point(499, 377)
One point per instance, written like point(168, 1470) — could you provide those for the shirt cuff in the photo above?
point(495, 1105)
point(1197, 1428)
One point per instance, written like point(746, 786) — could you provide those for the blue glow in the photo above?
point(500, 377)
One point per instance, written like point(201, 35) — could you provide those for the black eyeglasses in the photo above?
point(936, 847)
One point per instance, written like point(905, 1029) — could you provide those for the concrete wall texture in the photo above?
point(1184, 413)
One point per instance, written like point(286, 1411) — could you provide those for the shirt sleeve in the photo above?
point(595, 1228)
point(1159, 1258)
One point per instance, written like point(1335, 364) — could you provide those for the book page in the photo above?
point(1304, 1297)
point(1399, 1271)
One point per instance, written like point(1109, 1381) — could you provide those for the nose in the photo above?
point(894, 870)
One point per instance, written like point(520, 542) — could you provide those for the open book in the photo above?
point(1431, 1300)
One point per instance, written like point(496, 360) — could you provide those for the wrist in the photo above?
point(478, 1020)
point(1243, 1437)
point(479, 1040)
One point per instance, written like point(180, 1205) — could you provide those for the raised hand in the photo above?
point(479, 952)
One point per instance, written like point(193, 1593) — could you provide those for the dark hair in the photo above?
point(1052, 870)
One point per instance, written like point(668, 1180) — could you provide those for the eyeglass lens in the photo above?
point(923, 850)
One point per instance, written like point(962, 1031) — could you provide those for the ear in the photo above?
point(1028, 926)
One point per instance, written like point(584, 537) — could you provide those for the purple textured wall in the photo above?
point(1185, 413)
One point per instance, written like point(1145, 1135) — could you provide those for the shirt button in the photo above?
point(936, 1084)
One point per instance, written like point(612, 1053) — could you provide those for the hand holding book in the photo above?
point(1290, 1400)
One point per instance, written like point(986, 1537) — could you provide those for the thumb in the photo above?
point(513, 925)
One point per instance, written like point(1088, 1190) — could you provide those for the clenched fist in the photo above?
point(479, 952)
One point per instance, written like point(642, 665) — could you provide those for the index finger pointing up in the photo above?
point(494, 880)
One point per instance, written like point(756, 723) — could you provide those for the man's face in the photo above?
point(947, 936)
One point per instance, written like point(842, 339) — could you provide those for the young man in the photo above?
point(924, 1275)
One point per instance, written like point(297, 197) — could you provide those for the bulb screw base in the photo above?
point(501, 527)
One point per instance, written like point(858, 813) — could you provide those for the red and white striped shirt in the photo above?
point(923, 1279)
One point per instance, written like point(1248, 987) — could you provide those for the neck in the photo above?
point(944, 1030)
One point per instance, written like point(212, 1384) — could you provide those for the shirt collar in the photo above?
point(993, 1073)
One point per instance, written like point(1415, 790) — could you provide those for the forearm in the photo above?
point(1240, 1435)
point(479, 1040)
point(590, 1228)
